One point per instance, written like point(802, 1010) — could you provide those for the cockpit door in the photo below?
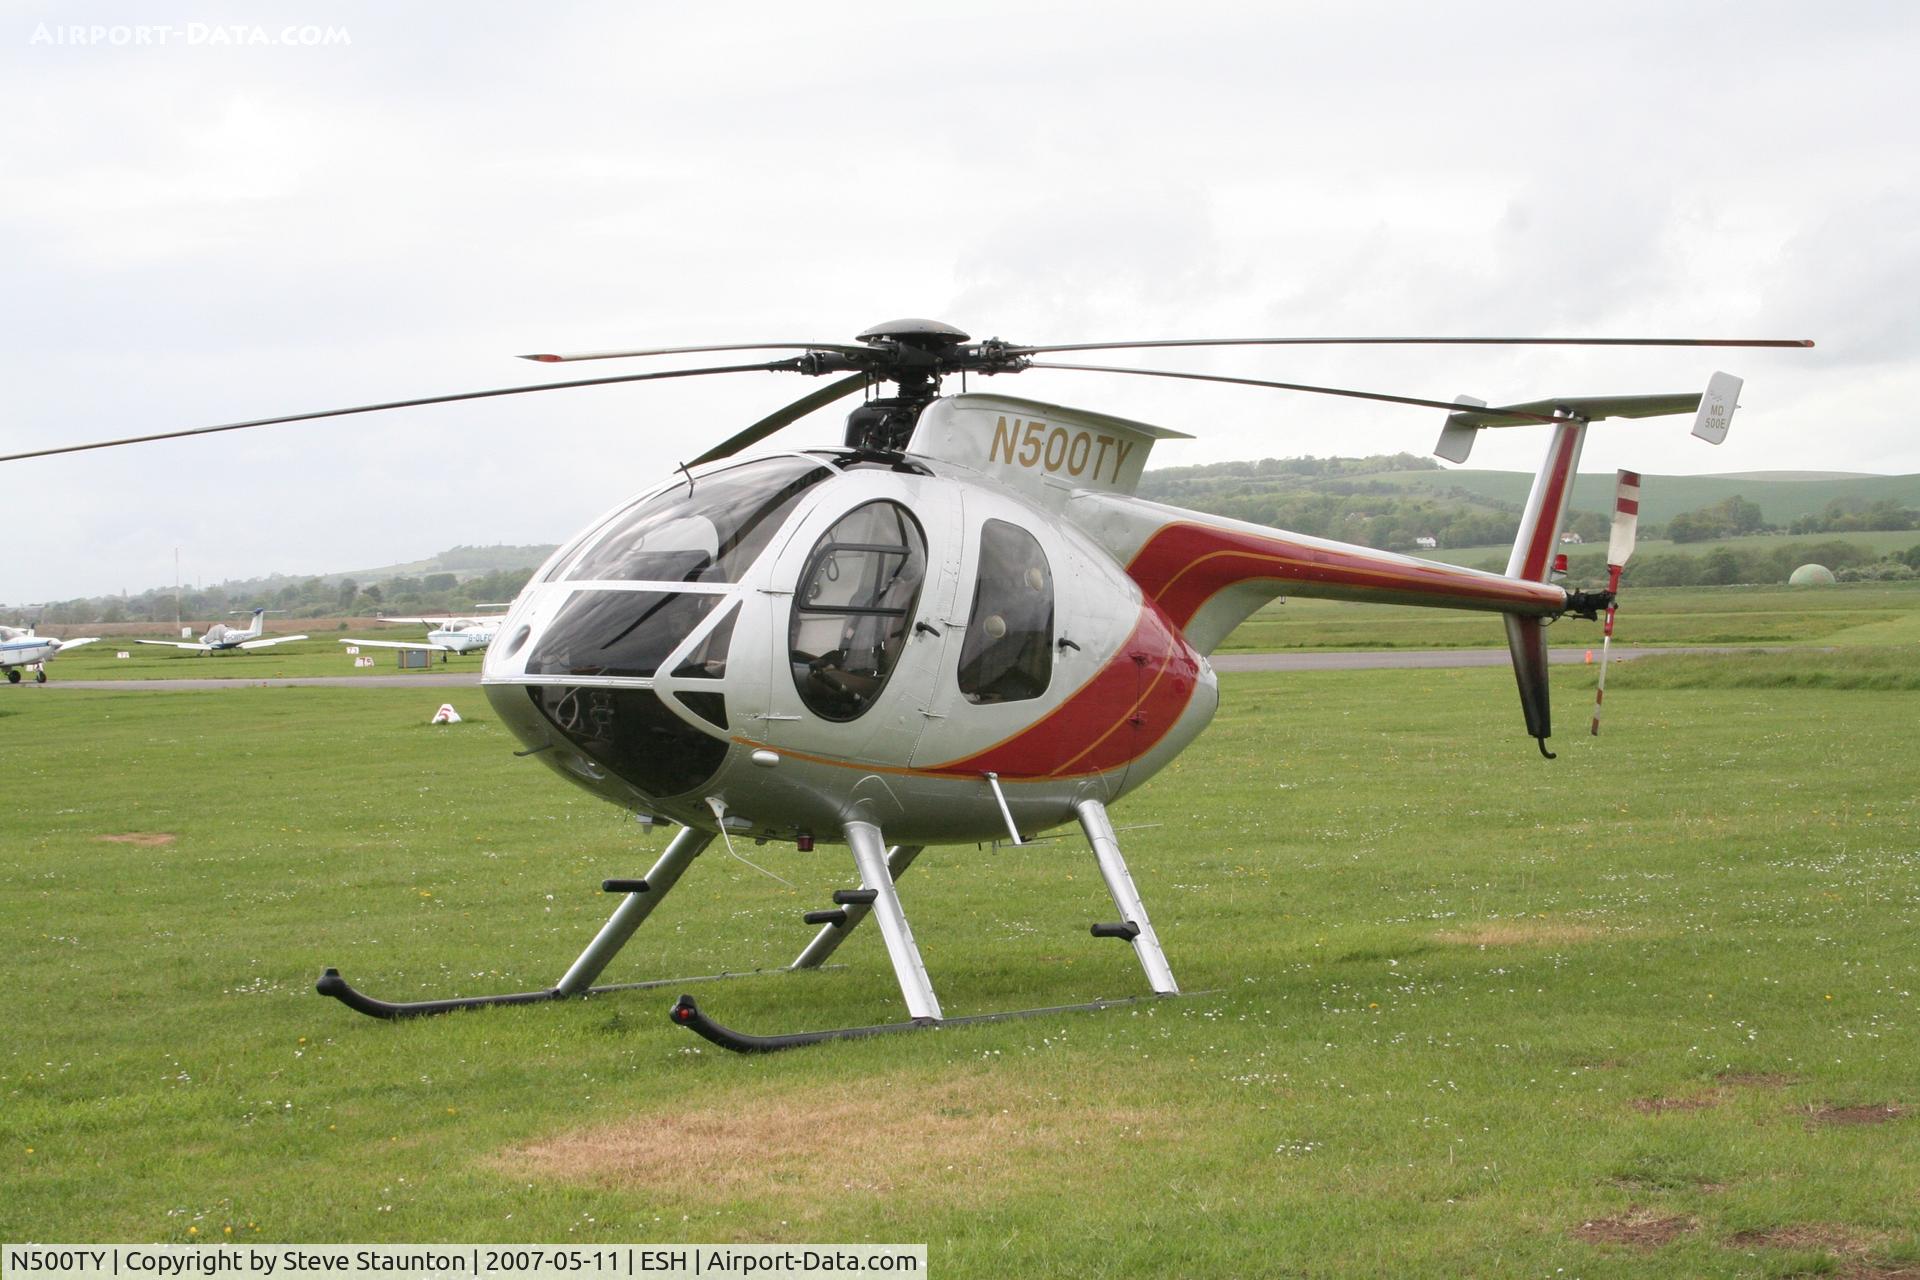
point(860, 597)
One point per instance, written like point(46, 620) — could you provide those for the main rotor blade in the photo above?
point(681, 351)
point(774, 366)
point(1434, 342)
point(781, 417)
point(1448, 405)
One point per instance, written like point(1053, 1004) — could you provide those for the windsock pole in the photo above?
point(1626, 518)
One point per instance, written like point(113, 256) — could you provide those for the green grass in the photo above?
point(323, 655)
point(1465, 1000)
point(1859, 613)
point(1881, 542)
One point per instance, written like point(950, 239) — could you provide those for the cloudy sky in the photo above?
point(340, 203)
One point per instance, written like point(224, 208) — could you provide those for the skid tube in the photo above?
point(687, 1014)
point(332, 984)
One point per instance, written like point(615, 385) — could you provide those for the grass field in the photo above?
point(1853, 614)
point(1881, 542)
point(1860, 613)
point(1645, 1010)
point(323, 655)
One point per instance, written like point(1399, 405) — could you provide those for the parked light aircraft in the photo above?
point(21, 649)
point(219, 638)
point(446, 636)
point(960, 626)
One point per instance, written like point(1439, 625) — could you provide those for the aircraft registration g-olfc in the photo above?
point(960, 625)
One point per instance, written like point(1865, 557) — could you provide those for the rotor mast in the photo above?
point(917, 351)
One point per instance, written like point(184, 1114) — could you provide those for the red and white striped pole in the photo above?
point(1626, 519)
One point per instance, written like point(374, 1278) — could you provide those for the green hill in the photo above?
point(1331, 496)
point(1783, 496)
point(1858, 525)
point(462, 562)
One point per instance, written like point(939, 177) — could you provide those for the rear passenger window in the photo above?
point(1008, 653)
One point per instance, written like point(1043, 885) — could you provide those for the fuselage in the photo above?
point(20, 648)
point(871, 642)
point(222, 636)
point(953, 645)
point(464, 636)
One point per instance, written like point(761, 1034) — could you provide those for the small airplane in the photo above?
point(959, 626)
point(448, 635)
point(221, 638)
point(21, 649)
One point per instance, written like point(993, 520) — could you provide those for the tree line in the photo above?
point(432, 593)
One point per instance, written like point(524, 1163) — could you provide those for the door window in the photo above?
point(853, 608)
point(1008, 653)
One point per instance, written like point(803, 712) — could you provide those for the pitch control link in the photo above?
point(687, 1014)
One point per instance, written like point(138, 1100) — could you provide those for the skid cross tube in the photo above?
point(828, 940)
point(644, 895)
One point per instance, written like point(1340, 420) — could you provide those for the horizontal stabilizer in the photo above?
point(1713, 410)
point(1590, 408)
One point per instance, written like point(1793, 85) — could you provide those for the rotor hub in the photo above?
point(927, 335)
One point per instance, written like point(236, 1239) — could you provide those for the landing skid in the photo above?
point(332, 984)
point(687, 1014)
point(879, 868)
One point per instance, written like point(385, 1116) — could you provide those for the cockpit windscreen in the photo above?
point(709, 529)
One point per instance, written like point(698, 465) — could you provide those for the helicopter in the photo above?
point(959, 626)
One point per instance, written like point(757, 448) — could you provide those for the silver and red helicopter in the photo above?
point(961, 625)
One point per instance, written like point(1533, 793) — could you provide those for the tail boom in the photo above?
point(1209, 574)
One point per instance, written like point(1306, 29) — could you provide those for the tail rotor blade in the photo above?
point(1626, 520)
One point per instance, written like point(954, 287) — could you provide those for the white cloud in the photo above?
point(203, 234)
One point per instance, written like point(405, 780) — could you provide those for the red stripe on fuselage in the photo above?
point(1182, 566)
point(1108, 722)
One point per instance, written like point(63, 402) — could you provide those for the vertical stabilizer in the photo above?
point(1547, 504)
point(1527, 640)
point(1532, 559)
